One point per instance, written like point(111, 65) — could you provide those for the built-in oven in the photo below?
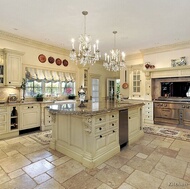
point(166, 113)
point(172, 113)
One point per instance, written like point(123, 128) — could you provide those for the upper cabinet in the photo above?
point(13, 67)
point(136, 82)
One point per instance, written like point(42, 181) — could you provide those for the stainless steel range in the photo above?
point(172, 113)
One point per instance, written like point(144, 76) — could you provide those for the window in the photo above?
point(49, 88)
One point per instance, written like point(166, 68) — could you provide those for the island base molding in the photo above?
point(86, 161)
point(136, 137)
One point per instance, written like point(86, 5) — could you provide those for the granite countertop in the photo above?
point(92, 108)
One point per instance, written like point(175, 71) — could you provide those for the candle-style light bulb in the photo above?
point(97, 42)
point(73, 43)
point(105, 56)
point(94, 48)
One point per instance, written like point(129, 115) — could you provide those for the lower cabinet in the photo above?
point(3, 119)
point(30, 116)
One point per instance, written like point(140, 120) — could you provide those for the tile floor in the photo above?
point(152, 162)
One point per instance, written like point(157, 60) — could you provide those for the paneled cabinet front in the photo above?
point(30, 116)
point(13, 67)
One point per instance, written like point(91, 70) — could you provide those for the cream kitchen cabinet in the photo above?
point(3, 119)
point(46, 118)
point(30, 116)
point(135, 124)
point(2, 71)
point(148, 112)
point(13, 67)
point(136, 82)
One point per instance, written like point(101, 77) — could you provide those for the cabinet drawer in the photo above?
point(3, 118)
point(148, 113)
point(113, 115)
point(100, 129)
point(112, 137)
point(31, 107)
point(150, 117)
point(113, 125)
point(100, 119)
point(3, 109)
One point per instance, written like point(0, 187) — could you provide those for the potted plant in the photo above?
point(71, 96)
point(39, 97)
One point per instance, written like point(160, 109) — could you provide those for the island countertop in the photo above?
point(92, 108)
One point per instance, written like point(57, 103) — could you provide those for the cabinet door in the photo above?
point(3, 123)
point(14, 70)
point(30, 116)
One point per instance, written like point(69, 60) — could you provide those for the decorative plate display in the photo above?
point(42, 58)
point(65, 62)
point(125, 85)
point(58, 61)
point(51, 60)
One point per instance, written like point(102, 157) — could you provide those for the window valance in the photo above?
point(34, 73)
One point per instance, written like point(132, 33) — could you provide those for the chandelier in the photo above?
point(116, 61)
point(86, 53)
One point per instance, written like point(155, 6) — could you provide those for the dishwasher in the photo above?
point(123, 127)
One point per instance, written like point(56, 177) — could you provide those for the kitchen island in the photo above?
point(90, 134)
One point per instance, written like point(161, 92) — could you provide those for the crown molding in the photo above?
point(165, 48)
point(134, 56)
point(32, 43)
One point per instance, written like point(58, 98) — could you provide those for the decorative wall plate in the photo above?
point(125, 85)
point(51, 60)
point(65, 62)
point(58, 61)
point(42, 58)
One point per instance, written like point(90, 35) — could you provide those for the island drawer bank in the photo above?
point(90, 135)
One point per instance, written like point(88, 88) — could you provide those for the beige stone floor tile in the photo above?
point(154, 157)
point(101, 166)
point(141, 164)
point(158, 174)
point(13, 163)
point(180, 144)
point(38, 168)
point(38, 155)
point(158, 142)
point(50, 184)
point(82, 180)
point(172, 166)
point(170, 140)
point(141, 180)
point(171, 182)
point(143, 142)
point(111, 176)
point(92, 171)
point(152, 145)
point(143, 149)
point(127, 169)
point(66, 171)
point(61, 160)
point(187, 175)
point(11, 147)
point(21, 182)
point(126, 186)
point(167, 152)
point(127, 153)
point(104, 186)
point(56, 153)
point(148, 137)
point(15, 140)
point(116, 161)
point(16, 173)
point(31, 148)
point(184, 154)
point(42, 178)
point(141, 155)
point(3, 177)
point(52, 158)
point(2, 155)
point(12, 153)
point(2, 144)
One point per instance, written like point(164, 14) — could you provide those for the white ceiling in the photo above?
point(140, 23)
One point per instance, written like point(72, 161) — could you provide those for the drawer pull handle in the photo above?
point(112, 124)
point(28, 107)
point(113, 131)
point(129, 117)
point(112, 115)
point(100, 119)
point(100, 128)
point(100, 136)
